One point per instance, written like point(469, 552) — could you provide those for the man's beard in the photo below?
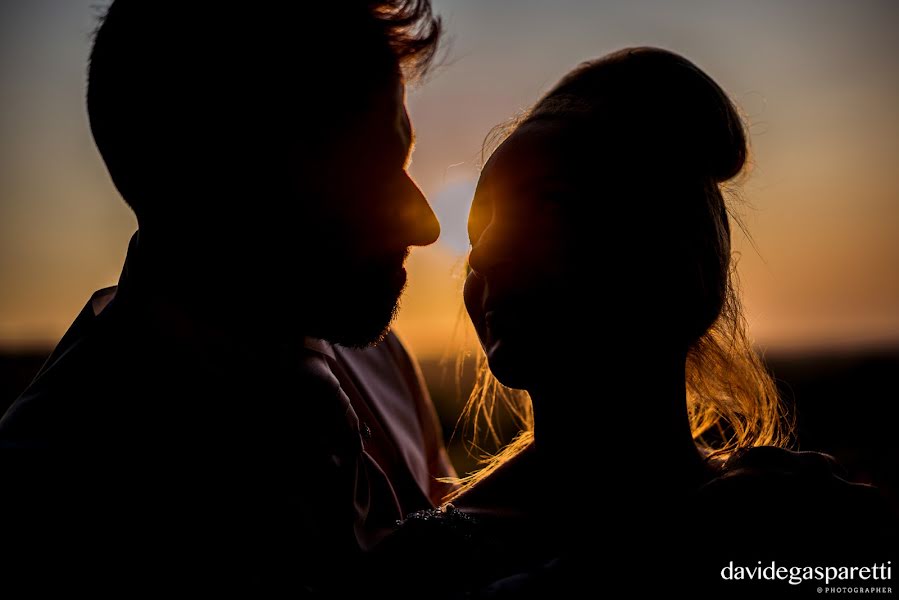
point(357, 310)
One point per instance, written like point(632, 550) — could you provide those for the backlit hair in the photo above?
point(641, 94)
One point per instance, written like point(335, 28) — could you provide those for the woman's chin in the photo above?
point(509, 364)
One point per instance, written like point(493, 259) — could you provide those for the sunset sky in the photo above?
point(817, 79)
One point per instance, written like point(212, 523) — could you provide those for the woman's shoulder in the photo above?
point(765, 467)
point(806, 497)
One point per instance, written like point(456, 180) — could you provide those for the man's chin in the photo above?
point(357, 326)
point(359, 338)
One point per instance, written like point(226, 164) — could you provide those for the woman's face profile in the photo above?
point(524, 290)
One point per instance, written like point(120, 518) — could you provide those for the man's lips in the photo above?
point(399, 276)
point(391, 267)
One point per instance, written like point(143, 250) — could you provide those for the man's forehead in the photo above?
point(406, 129)
point(402, 123)
point(380, 118)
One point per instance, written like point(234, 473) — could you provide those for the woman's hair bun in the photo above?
point(659, 103)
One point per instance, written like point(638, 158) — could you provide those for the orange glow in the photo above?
point(820, 95)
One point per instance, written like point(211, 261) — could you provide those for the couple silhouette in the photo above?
point(236, 414)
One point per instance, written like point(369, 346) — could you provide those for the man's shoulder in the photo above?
point(76, 378)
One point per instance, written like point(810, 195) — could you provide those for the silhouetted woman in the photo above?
point(601, 284)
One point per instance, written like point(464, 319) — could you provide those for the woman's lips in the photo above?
point(500, 322)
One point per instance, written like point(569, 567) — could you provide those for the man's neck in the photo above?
point(208, 289)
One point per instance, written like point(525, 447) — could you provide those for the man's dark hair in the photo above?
point(173, 90)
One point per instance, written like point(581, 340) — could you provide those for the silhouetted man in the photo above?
point(243, 402)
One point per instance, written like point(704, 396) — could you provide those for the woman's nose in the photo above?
point(477, 259)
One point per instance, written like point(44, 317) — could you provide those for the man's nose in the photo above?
point(417, 218)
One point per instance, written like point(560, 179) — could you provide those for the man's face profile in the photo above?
point(257, 168)
point(362, 213)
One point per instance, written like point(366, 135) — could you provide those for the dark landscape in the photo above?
point(846, 403)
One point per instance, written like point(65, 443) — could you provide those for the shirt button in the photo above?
point(365, 431)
